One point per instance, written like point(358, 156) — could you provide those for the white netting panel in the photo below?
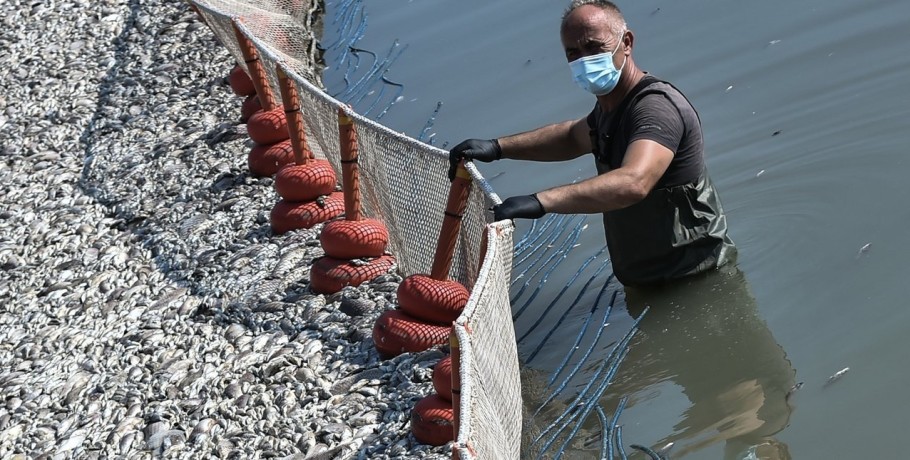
point(489, 355)
point(404, 184)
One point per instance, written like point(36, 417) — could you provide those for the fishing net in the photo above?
point(403, 183)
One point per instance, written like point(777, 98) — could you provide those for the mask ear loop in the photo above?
point(624, 57)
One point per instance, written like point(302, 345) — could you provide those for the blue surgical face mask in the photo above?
point(596, 74)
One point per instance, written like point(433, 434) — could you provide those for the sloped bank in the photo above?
point(149, 310)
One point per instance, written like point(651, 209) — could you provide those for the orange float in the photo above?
point(240, 82)
point(435, 297)
point(289, 215)
point(432, 421)
point(395, 333)
point(268, 126)
point(249, 106)
point(442, 378)
point(329, 275)
point(355, 237)
point(305, 182)
point(266, 160)
point(307, 178)
point(438, 301)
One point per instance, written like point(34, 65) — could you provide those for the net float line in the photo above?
point(447, 372)
point(257, 73)
point(305, 178)
point(350, 173)
point(436, 298)
point(296, 129)
point(451, 223)
point(268, 126)
point(355, 236)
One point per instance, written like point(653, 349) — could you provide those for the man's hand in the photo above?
point(519, 207)
point(473, 149)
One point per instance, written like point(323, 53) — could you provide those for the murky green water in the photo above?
point(805, 109)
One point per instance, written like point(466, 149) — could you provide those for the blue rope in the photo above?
point(564, 251)
point(598, 392)
point(558, 220)
point(583, 359)
point(619, 446)
point(350, 38)
point(553, 236)
point(565, 314)
point(355, 53)
point(592, 401)
point(400, 90)
point(563, 291)
point(648, 451)
point(376, 100)
point(534, 223)
point(594, 343)
point(378, 75)
point(342, 9)
point(346, 21)
point(613, 428)
point(581, 396)
point(358, 86)
point(606, 448)
point(429, 124)
point(546, 247)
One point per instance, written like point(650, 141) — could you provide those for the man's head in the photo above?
point(599, 49)
point(592, 27)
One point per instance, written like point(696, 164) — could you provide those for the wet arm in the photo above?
point(645, 162)
point(556, 142)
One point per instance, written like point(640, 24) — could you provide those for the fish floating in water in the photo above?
point(792, 390)
point(660, 455)
point(837, 376)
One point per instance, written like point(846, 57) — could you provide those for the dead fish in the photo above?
point(792, 390)
point(664, 452)
point(649, 452)
point(837, 376)
point(863, 250)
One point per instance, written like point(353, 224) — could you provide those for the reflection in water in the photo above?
point(705, 335)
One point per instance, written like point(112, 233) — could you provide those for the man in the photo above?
point(663, 221)
point(662, 216)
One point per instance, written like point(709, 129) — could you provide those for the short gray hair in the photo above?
point(617, 26)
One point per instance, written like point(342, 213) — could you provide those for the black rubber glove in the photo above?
point(519, 207)
point(473, 149)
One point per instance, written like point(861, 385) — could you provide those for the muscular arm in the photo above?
point(556, 142)
point(645, 162)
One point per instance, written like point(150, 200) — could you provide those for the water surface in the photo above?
point(804, 107)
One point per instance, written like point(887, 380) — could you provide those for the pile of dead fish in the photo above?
point(146, 309)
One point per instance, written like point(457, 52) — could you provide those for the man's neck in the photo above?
point(627, 81)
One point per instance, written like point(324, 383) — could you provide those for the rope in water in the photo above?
point(562, 291)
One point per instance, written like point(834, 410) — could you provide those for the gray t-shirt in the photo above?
point(679, 229)
point(665, 117)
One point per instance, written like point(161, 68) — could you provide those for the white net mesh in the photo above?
point(403, 183)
